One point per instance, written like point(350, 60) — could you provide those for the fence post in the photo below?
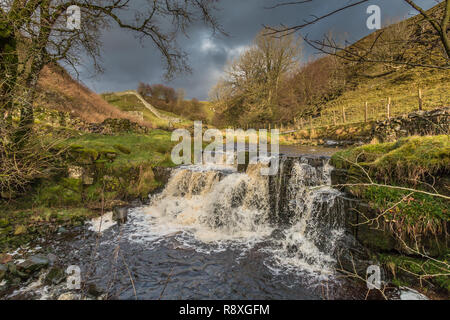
point(366, 116)
point(344, 120)
point(420, 100)
point(311, 127)
point(334, 117)
point(389, 108)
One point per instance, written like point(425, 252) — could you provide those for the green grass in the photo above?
point(207, 108)
point(122, 170)
point(408, 270)
point(132, 103)
point(415, 163)
point(402, 86)
point(19, 226)
point(407, 160)
point(150, 148)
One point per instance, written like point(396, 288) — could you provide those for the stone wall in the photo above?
point(64, 119)
point(420, 123)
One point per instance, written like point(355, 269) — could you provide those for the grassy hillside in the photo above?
point(375, 83)
point(58, 91)
point(132, 103)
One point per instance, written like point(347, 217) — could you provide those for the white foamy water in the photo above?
point(213, 206)
point(210, 208)
point(102, 223)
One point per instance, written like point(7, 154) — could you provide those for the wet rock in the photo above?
point(55, 276)
point(136, 203)
point(94, 291)
point(62, 230)
point(3, 270)
point(34, 263)
point(411, 294)
point(162, 174)
point(13, 271)
point(277, 234)
point(338, 177)
point(120, 214)
point(52, 258)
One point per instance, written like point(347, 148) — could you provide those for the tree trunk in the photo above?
point(8, 75)
point(26, 112)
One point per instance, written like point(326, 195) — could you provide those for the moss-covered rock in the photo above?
point(391, 218)
point(60, 192)
point(417, 272)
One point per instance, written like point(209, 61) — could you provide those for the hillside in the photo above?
point(160, 118)
point(57, 90)
point(375, 83)
point(131, 103)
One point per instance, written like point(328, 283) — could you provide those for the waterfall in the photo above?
point(296, 210)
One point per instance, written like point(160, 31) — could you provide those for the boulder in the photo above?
point(55, 276)
point(120, 214)
point(3, 270)
point(34, 263)
point(52, 258)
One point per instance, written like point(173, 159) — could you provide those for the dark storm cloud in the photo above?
point(126, 62)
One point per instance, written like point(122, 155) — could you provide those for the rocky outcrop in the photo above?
point(420, 123)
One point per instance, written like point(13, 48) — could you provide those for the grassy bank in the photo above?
point(109, 170)
point(408, 160)
point(406, 187)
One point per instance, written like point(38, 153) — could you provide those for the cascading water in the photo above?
point(296, 209)
point(218, 233)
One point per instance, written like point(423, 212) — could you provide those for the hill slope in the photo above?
point(57, 90)
point(375, 83)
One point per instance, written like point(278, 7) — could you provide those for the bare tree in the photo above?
point(252, 82)
point(424, 40)
point(33, 33)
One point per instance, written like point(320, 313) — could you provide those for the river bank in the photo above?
point(215, 233)
point(108, 173)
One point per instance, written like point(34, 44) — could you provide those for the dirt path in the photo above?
point(150, 107)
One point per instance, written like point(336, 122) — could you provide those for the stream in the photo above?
point(216, 233)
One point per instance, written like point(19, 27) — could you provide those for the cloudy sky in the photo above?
point(127, 62)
